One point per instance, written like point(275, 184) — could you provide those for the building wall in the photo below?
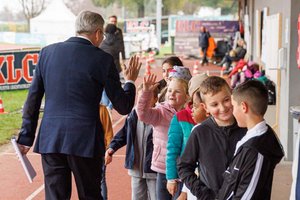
point(290, 77)
point(294, 71)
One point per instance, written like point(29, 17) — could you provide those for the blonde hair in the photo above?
point(183, 82)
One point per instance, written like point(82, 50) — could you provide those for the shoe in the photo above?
point(227, 72)
point(220, 64)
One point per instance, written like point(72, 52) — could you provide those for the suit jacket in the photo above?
point(72, 75)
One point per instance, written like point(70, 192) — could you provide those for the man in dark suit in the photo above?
point(72, 75)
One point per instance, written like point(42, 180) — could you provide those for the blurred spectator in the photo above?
point(119, 34)
point(203, 44)
point(234, 55)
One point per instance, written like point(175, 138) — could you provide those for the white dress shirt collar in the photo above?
point(80, 36)
point(257, 130)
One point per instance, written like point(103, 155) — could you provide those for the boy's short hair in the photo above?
point(213, 85)
point(254, 93)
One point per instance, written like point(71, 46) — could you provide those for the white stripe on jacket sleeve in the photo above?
point(254, 180)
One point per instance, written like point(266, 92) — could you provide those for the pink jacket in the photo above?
point(160, 117)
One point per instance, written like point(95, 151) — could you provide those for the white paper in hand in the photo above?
point(29, 170)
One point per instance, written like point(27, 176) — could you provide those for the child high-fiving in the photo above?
point(160, 116)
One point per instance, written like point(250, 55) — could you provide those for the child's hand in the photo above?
point(149, 83)
point(172, 188)
point(108, 156)
point(182, 196)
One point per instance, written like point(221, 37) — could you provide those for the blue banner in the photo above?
point(17, 69)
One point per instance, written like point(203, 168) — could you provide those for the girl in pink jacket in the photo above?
point(160, 117)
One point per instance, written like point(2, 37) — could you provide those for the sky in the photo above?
point(14, 5)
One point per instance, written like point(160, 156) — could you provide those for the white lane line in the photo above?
point(119, 121)
point(36, 192)
point(28, 154)
point(121, 156)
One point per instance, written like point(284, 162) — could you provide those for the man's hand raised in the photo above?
point(132, 71)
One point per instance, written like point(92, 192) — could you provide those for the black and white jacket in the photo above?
point(250, 174)
point(210, 148)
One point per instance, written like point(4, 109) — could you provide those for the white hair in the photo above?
point(88, 22)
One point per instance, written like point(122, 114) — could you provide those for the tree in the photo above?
point(31, 9)
point(78, 5)
point(130, 4)
point(191, 6)
point(172, 7)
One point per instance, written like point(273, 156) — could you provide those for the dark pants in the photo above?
point(58, 180)
point(204, 59)
point(161, 188)
point(103, 183)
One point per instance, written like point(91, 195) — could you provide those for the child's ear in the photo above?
point(245, 107)
point(204, 106)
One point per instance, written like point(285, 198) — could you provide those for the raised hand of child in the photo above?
point(149, 83)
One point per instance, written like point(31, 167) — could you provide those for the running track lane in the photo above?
point(14, 184)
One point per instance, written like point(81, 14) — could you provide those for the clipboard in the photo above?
point(28, 168)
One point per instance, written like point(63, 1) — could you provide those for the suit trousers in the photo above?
point(58, 179)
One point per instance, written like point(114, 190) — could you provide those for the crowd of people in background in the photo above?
point(187, 137)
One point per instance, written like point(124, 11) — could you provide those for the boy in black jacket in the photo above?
point(250, 174)
point(211, 144)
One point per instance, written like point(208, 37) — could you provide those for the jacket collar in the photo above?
point(257, 130)
point(80, 40)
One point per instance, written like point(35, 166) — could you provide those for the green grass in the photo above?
point(164, 50)
point(10, 123)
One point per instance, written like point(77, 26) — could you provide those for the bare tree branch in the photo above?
point(31, 9)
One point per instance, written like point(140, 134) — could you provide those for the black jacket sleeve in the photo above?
point(186, 169)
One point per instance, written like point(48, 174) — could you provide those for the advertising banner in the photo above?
point(187, 32)
point(17, 69)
